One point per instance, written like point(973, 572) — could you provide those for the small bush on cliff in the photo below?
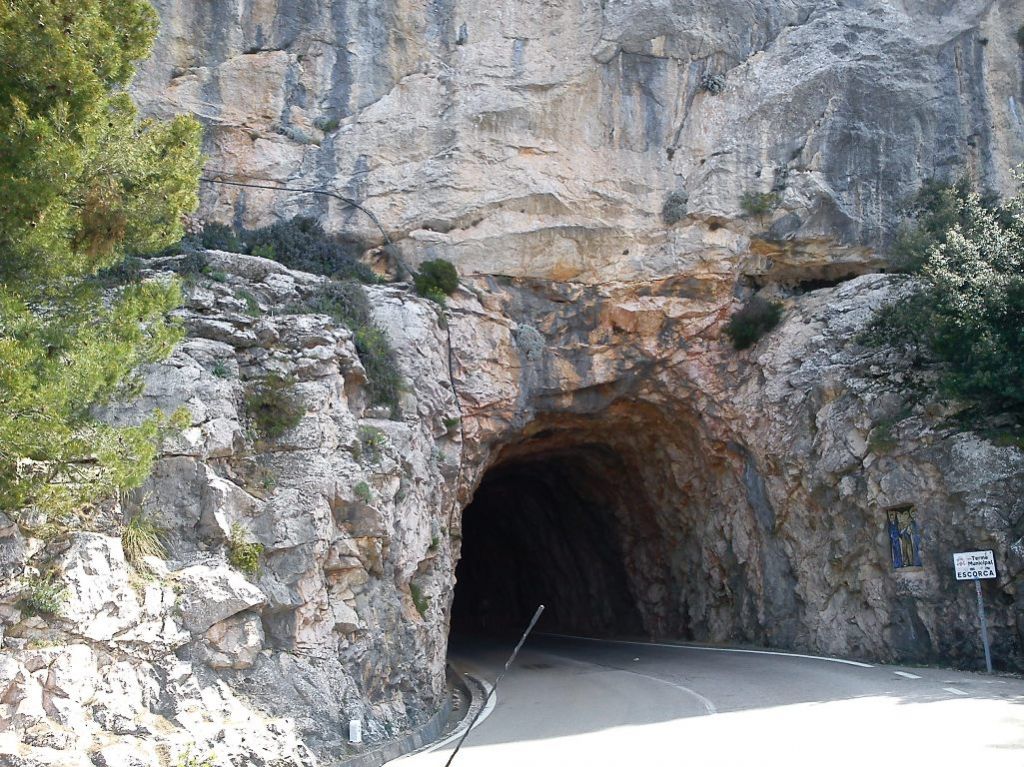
point(242, 554)
point(420, 600)
point(347, 304)
point(674, 209)
point(140, 539)
point(363, 492)
point(220, 237)
point(965, 308)
point(436, 280)
point(188, 760)
point(713, 84)
point(44, 595)
point(381, 363)
point(272, 406)
point(301, 243)
point(750, 323)
point(759, 204)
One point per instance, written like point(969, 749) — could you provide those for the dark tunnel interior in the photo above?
point(544, 529)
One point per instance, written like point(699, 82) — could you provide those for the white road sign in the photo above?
point(974, 564)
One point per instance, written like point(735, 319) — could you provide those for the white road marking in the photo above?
point(906, 675)
point(955, 691)
point(709, 707)
point(856, 663)
point(488, 710)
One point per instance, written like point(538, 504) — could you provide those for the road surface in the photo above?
point(570, 702)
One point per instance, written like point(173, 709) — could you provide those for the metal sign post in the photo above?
point(975, 565)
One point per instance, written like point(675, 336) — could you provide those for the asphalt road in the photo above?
point(571, 702)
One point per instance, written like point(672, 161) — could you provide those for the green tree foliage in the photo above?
point(966, 309)
point(82, 182)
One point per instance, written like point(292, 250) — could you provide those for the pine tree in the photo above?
point(82, 181)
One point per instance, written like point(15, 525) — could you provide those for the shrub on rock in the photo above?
point(750, 323)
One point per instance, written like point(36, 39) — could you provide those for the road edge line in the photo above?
point(778, 653)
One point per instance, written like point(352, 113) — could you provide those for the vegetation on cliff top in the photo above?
point(966, 306)
point(82, 181)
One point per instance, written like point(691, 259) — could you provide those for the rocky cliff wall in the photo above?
point(543, 139)
point(713, 495)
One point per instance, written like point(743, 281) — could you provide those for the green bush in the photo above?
point(381, 364)
point(127, 272)
point(372, 442)
point(674, 209)
point(746, 327)
point(265, 250)
point(221, 370)
point(759, 204)
point(436, 280)
point(190, 265)
point(881, 439)
point(243, 555)
point(252, 305)
point(140, 539)
point(187, 760)
point(363, 492)
point(419, 599)
point(220, 237)
point(302, 244)
point(326, 124)
point(347, 304)
point(713, 84)
point(272, 406)
point(44, 596)
point(965, 310)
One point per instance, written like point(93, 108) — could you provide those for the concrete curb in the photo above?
point(422, 736)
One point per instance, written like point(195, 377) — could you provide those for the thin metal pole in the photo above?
point(508, 663)
point(984, 626)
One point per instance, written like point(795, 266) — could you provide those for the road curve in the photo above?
point(571, 702)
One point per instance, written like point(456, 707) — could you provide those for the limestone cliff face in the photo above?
point(343, 616)
point(542, 139)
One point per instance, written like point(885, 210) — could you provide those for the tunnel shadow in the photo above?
point(546, 530)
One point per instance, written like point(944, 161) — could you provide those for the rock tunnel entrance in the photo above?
point(562, 519)
point(544, 531)
point(631, 520)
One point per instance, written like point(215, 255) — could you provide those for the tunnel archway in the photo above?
point(563, 518)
